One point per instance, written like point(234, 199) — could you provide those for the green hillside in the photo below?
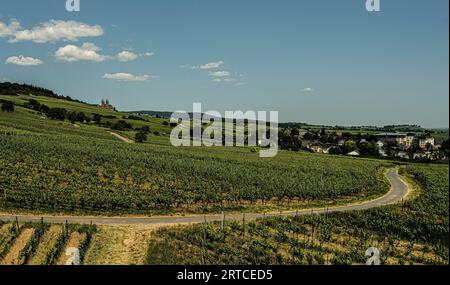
point(60, 166)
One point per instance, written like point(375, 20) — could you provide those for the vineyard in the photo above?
point(54, 166)
point(415, 232)
point(41, 243)
point(57, 166)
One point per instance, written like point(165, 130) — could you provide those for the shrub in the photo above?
point(57, 114)
point(8, 107)
point(140, 137)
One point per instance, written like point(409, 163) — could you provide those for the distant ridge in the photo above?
point(160, 114)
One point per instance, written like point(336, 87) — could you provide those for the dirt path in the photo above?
point(74, 242)
point(12, 257)
point(122, 138)
point(399, 191)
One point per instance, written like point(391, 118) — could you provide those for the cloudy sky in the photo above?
point(316, 61)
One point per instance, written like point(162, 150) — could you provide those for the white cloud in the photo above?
point(8, 30)
point(307, 89)
point(148, 54)
point(86, 52)
point(212, 65)
point(51, 31)
point(23, 61)
point(209, 65)
point(219, 74)
point(125, 56)
point(127, 77)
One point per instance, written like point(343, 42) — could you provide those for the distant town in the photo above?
point(421, 145)
point(402, 142)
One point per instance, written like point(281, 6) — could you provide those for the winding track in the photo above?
point(398, 192)
point(122, 138)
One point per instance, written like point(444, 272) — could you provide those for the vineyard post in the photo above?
point(17, 225)
point(243, 225)
point(223, 222)
point(204, 243)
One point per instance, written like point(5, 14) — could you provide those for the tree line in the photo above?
point(8, 88)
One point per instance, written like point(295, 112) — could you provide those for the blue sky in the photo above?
point(316, 61)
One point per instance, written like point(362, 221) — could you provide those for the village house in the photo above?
point(401, 139)
point(425, 141)
point(402, 154)
point(380, 144)
point(406, 140)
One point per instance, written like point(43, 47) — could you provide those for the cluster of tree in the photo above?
point(51, 113)
point(289, 139)
point(7, 106)
point(35, 105)
point(135, 118)
point(97, 118)
point(120, 125)
point(56, 113)
point(365, 148)
point(78, 117)
point(172, 125)
point(445, 147)
point(141, 135)
point(7, 88)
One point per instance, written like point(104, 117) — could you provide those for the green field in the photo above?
point(416, 232)
point(49, 166)
point(56, 166)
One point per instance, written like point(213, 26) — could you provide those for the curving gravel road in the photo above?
point(398, 192)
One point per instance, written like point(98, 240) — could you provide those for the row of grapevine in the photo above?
point(30, 248)
point(70, 173)
point(25, 253)
point(415, 232)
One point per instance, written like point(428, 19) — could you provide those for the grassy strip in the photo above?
point(60, 244)
point(30, 248)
